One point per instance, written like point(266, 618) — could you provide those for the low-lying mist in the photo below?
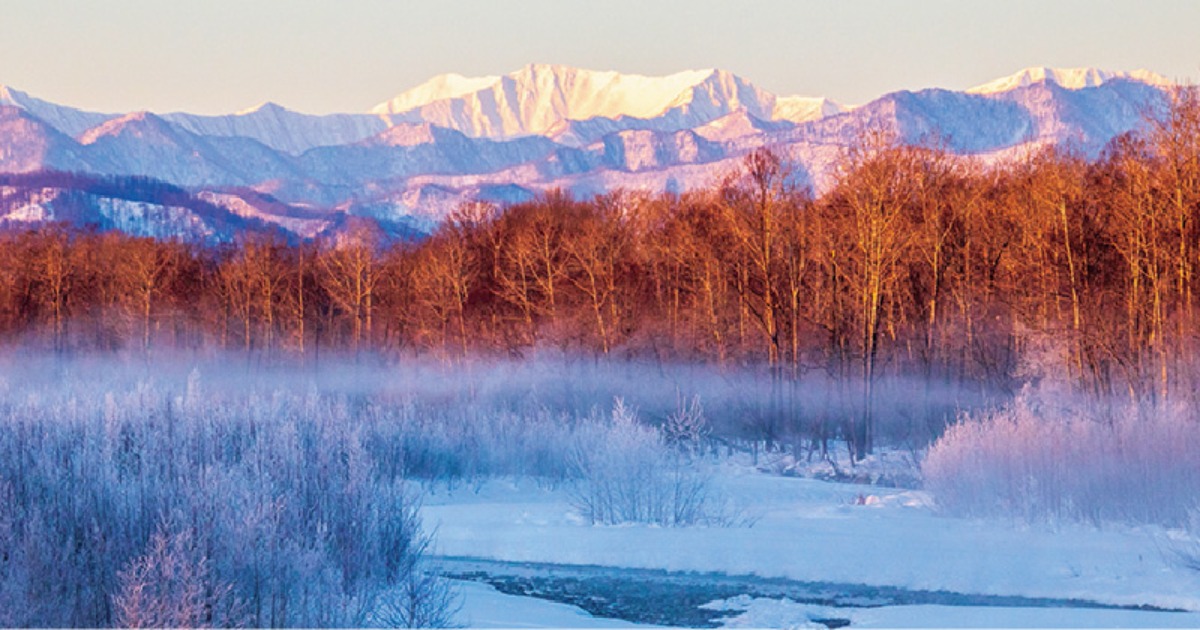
point(741, 404)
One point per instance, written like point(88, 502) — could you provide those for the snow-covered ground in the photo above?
point(485, 607)
point(770, 613)
point(819, 531)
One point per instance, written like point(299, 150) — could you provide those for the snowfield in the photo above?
point(818, 531)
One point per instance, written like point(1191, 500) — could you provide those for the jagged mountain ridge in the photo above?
point(536, 98)
point(503, 139)
point(1069, 78)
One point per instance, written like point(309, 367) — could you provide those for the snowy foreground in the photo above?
point(818, 531)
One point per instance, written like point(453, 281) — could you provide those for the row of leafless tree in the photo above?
point(915, 262)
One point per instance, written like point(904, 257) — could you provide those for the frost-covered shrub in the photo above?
point(435, 442)
point(1037, 462)
point(1181, 547)
point(171, 586)
point(687, 428)
point(423, 602)
point(626, 472)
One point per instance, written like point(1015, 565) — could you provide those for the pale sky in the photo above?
point(219, 56)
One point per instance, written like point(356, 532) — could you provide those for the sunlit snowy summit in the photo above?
point(537, 98)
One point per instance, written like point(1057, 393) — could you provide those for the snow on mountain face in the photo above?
point(66, 120)
point(304, 224)
point(28, 144)
point(799, 109)
point(960, 123)
point(1069, 78)
point(145, 144)
point(739, 124)
point(406, 135)
point(282, 129)
point(1086, 119)
point(141, 125)
point(645, 150)
point(417, 150)
point(140, 218)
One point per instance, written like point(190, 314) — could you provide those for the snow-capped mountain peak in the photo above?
point(439, 88)
point(142, 125)
point(265, 106)
point(11, 97)
point(1069, 78)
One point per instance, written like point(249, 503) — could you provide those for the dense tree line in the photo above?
point(915, 262)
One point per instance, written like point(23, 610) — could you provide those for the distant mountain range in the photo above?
point(507, 138)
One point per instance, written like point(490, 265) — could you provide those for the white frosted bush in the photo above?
point(626, 472)
point(171, 586)
point(1039, 463)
